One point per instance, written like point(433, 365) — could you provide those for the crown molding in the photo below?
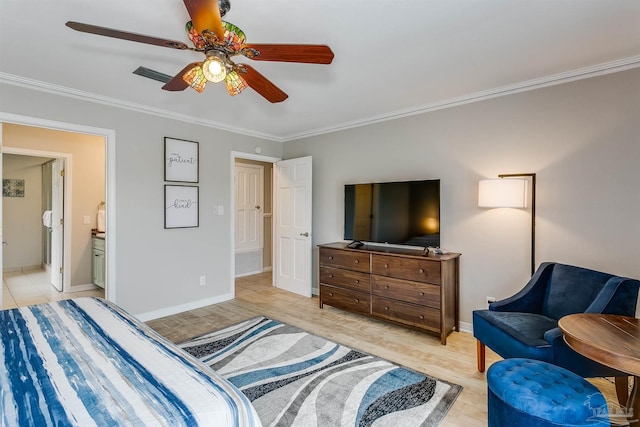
point(14, 80)
point(555, 79)
point(552, 80)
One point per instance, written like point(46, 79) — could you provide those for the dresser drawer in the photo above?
point(419, 270)
point(345, 299)
point(410, 314)
point(350, 260)
point(413, 292)
point(345, 278)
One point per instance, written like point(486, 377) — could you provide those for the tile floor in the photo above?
point(20, 288)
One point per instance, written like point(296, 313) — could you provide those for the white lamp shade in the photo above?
point(502, 193)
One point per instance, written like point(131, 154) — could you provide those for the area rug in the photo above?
point(294, 378)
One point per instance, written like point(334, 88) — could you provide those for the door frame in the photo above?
point(232, 208)
point(110, 157)
point(66, 209)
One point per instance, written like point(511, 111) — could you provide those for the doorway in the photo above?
point(32, 241)
point(289, 221)
point(108, 194)
point(253, 216)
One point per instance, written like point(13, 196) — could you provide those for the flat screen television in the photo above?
point(400, 213)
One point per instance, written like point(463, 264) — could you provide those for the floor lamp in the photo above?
point(510, 191)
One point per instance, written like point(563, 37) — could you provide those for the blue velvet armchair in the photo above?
point(526, 324)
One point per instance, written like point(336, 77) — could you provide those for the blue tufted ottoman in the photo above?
point(525, 392)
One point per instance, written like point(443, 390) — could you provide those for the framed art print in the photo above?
point(13, 188)
point(181, 206)
point(181, 162)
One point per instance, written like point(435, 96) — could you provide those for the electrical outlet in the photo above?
point(490, 300)
point(203, 280)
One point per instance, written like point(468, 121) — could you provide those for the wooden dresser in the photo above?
point(399, 285)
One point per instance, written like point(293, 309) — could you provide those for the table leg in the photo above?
point(634, 402)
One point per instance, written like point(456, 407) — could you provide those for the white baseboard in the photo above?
point(251, 273)
point(151, 315)
point(87, 287)
point(466, 327)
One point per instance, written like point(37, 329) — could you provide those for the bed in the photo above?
point(86, 362)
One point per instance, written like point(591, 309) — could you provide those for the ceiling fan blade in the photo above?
point(117, 34)
point(262, 85)
point(177, 83)
point(307, 53)
point(205, 15)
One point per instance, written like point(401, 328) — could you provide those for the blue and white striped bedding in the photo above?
point(86, 362)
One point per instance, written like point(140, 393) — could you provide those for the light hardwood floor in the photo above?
point(455, 362)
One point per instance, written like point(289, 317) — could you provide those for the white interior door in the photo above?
point(292, 184)
point(249, 207)
point(57, 223)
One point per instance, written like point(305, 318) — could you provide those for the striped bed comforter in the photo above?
point(86, 362)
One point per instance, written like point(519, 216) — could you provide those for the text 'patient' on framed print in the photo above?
point(181, 162)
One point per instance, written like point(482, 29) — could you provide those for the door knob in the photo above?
point(305, 234)
point(257, 206)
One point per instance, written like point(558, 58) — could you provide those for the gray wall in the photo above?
point(581, 139)
point(22, 216)
point(156, 269)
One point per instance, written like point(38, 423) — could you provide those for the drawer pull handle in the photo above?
point(330, 294)
point(386, 308)
point(386, 266)
point(357, 261)
point(421, 271)
point(331, 276)
point(421, 317)
point(330, 257)
point(386, 286)
point(357, 281)
point(421, 294)
point(357, 300)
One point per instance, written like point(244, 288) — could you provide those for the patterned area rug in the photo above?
point(294, 378)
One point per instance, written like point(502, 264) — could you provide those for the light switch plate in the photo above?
point(86, 220)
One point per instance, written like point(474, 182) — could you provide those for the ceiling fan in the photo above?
point(220, 41)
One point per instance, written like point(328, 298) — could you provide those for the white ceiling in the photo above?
point(392, 57)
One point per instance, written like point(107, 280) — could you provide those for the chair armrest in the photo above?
point(618, 296)
point(530, 298)
point(566, 357)
point(552, 335)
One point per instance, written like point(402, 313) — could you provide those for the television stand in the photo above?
point(394, 284)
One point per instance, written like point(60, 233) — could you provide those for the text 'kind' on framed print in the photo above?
point(181, 206)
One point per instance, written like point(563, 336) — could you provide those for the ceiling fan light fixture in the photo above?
point(235, 83)
point(214, 67)
point(195, 78)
